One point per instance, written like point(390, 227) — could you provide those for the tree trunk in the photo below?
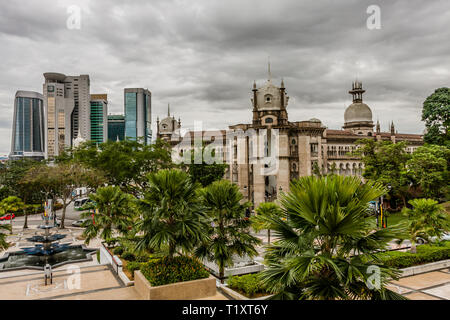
point(63, 216)
point(413, 247)
point(25, 223)
point(268, 236)
point(221, 274)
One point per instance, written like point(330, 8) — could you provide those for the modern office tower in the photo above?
point(67, 106)
point(58, 105)
point(80, 117)
point(99, 118)
point(116, 127)
point(137, 104)
point(28, 135)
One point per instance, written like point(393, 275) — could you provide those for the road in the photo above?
point(35, 219)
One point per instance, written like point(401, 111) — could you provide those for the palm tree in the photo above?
point(114, 212)
point(171, 213)
point(326, 243)
point(265, 209)
point(228, 229)
point(427, 219)
point(9, 205)
point(3, 243)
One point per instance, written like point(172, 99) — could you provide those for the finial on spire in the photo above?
point(270, 73)
point(282, 83)
point(168, 109)
point(254, 84)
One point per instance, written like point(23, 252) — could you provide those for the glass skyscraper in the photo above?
point(28, 135)
point(137, 105)
point(116, 127)
point(99, 122)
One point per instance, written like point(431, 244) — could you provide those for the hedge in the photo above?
point(171, 270)
point(249, 284)
point(425, 253)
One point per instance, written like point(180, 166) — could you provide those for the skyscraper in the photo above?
point(99, 118)
point(116, 127)
point(28, 135)
point(67, 108)
point(137, 105)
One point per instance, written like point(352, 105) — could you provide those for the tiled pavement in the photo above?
point(433, 285)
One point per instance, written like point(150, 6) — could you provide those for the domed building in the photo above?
point(358, 116)
point(168, 128)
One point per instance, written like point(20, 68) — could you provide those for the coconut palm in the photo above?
point(9, 205)
point(114, 213)
point(427, 219)
point(228, 227)
point(265, 209)
point(171, 218)
point(326, 243)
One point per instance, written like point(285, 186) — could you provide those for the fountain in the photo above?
point(47, 250)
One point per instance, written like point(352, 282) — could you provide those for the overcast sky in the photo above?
point(202, 56)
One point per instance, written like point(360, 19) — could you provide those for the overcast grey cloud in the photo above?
point(203, 56)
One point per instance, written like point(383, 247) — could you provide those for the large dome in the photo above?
point(357, 112)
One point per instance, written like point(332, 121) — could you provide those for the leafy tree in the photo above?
point(125, 163)
point(427, 219)
point(326, 243)
point(385, 162)
point(259, 221)
point(171, 213)
point(429, 168)
point(115, 211)
point(204, 173)
point(13, 178)
point(228, 229)
point(9, 205)
point(436, 114)
point(3, 243)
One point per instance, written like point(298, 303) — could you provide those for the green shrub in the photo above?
point(143, 257)
point(249, 284)
point(171, 270)
point(425, 254)
point(129, 256)
point(133, 266)
point(118, 251)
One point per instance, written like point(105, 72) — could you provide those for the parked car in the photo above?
point(79, 223)
point(7, 216)
point(79, 203)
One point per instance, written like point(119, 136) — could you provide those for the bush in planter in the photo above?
point(171, 270)
point(132, 266)
point(249, 284)
point(129, 256)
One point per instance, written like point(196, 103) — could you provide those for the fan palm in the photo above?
point(171, 213)
point(114, 212)
point(265, 209)
point(326, 243)
point(228, 229)
point(427, 219)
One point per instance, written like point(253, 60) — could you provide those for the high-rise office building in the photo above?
point(67, 107)
point(116, 127)
point(137, 105)
point(28, 135)
point(99, 118)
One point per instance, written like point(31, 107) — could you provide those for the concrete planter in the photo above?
point(406, 272)
point(237, 296)
point(188, 290)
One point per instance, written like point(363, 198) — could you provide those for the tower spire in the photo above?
point(270, 73)
point(168, 109)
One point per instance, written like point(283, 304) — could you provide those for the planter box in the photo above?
point(237, 296)
point(406, 272)
point(187, 290)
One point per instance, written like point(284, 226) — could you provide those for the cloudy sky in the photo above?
point(202, 56)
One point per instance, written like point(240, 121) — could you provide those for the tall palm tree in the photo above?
point(265, 209)
point(228, 229)
point(172, 218)
point(114, 213)
point(427, 219)
point(9, 205)
point(3, 243)
point(326, 244)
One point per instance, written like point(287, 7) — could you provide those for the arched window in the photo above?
point(268, 98)
point(293, 141)
point(269, 120)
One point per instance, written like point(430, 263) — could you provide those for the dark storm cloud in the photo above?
point(203, 56)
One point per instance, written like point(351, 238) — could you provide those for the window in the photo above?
point(293, 142)
point(268, 98)
point(269, 120)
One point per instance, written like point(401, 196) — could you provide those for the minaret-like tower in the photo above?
point(358, 116)
point(357, 92)
point(256, 120)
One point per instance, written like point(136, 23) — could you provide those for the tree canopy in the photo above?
point(436, 114)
